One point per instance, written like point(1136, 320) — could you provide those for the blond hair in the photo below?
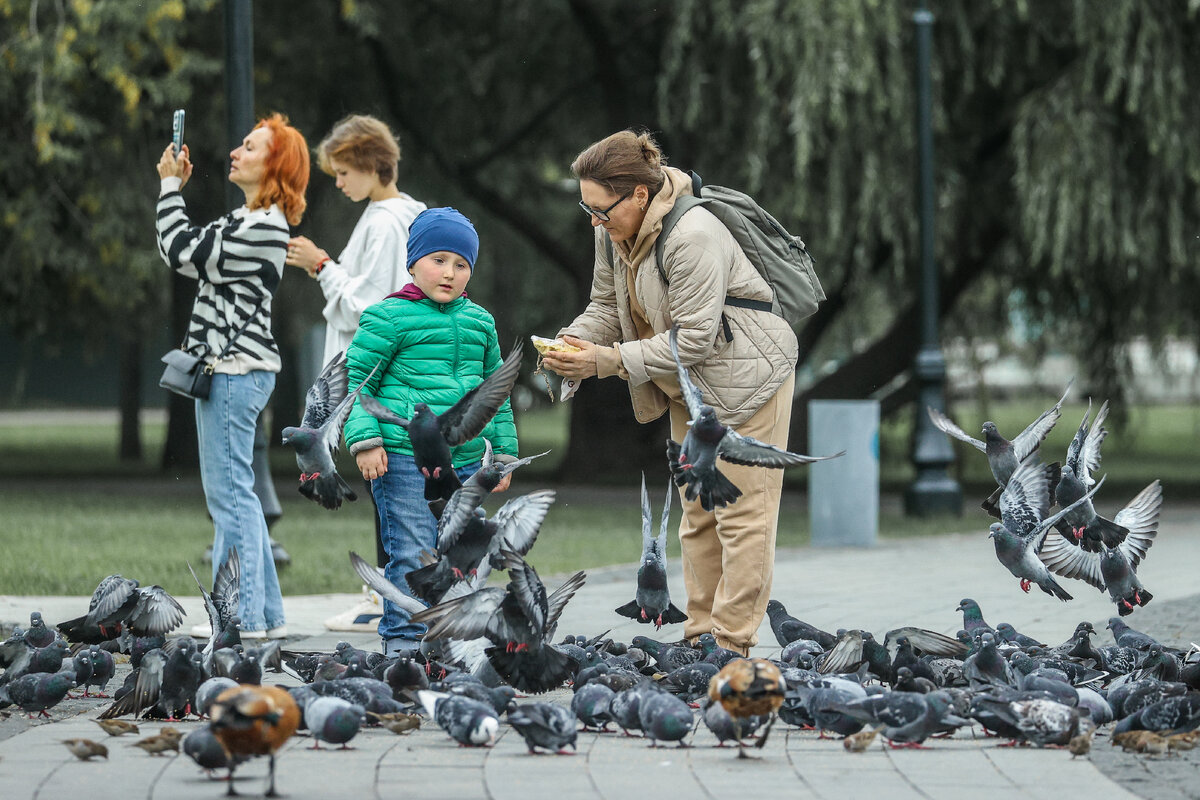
point(363, 143)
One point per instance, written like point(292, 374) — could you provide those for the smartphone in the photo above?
point(177, 131)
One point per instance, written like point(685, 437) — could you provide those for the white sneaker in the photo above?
point(255, 635)
point(203, 631)
point(363, 617)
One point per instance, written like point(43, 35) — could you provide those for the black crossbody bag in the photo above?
point(191, 375)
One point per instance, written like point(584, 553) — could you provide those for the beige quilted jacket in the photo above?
point(703, 265)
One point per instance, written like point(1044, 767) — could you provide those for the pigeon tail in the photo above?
point(535, 670)
point(1101, 533)
point(328, 491)
point(1050, 586)
point(714, 491)
point(430, 583)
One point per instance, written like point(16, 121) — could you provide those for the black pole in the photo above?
point(239, 120)
point(933, 491)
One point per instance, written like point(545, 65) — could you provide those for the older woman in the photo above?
point(237, 262)
point(742, 359)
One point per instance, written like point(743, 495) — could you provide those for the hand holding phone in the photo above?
point(177, 131)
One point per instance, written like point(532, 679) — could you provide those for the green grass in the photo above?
point(73, 513)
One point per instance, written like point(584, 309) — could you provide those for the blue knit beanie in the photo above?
point(438, 229)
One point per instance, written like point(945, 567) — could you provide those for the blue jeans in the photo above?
point(407, 527)
point(225, 424)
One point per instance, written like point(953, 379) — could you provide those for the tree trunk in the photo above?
point(606, 443)
point(129, 377)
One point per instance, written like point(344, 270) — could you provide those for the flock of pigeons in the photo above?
point(1075, 541)
point(487, 642)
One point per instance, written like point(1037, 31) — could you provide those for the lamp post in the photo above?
point(239, 119)
point(933, 491)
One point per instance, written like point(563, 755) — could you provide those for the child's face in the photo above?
point(442, 276)
point(354, 183)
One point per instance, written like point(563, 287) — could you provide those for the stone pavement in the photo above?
point(916, 581)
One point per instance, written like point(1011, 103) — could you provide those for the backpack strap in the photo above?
point(681, 207)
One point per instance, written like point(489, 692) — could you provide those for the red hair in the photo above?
point(285, 173)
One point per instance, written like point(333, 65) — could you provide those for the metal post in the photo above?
point(933, 491)
point(239, 119)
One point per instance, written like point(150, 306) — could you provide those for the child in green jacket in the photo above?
point(433, 345)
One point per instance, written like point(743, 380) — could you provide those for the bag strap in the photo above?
point(229, 344)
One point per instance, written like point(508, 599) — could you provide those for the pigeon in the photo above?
point(1089, 530)
point(254, 721)
point(333, 720)
point(667, 657)
point(327, 404)
point(488, 476)
point(973, 621)
point(691, 680)
point(120, 604)
point(1024, 525)
point(466, 537)
point(36, 692)
point(1003, 456)
point(788, 629)
point(855, 648)
point(693, 463)
point(201, 746)
point(1112, 568)
point(85, 749)
point(905, 719)
point(165, 684)
point(467, 721)
point(519, 619)
point(222, 604)
point(38, 634)
point(664, 718)
point(545, 725)
point(986, 667)
point(1039, 721)
point(652, 601)
point(1008, 633)
point(725, 727)
point(1128, 637)
point(33, 660)
point(592, 704)
point(432, 435)
point(1171, 714)
point(208, 691)
point(749, 687)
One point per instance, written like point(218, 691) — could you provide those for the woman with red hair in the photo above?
point(237, 262)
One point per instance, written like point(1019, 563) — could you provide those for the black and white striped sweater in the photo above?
point(238, 261)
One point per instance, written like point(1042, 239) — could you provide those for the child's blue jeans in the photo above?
point(407, 527)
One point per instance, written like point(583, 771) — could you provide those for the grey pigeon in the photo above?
point(1008, 633)
point(1126, 636)
point(1083, 524)
point(906, 719)
point(33, 660)
point(1003, 456)
point(333, 720)
point(592, 704)
point(693, 463)
point(664, 717)
point(432, 434)
point(545, 725)
point(37, 691)
point(222, 604)
point(667, 657)
point(724, 727)
point(651, 604)
point(491, 471)
point(202, 746)
point(38, 634)
point(206, 693)
point(119, 604)
point(973, 621)
point(986, 667)
point(1171, 714)
point(1038, 721)
point(1114, 568)
point(327, 404)
point(626, 705)
point(103, 669)
point(788, 629)
point(165, 683)
point(467, 721)
point(1024, 524)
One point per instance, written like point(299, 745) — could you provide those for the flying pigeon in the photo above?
point(432, 435)
point(120, 604)
point(1003, 456)
point(222, 605)
point(1091, 531)
point(1114, 569)
point(652, 601)
point(467, 721)
point(694, 462)
point(545, 725)
point(1024, 525)
point(327, 404)
point(488, 476)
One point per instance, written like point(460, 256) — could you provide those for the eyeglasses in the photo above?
point(602, 214)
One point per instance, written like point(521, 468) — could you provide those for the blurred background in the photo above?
point(1066, 167)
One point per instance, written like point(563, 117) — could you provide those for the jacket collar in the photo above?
point(410, 291)
point(677, 184)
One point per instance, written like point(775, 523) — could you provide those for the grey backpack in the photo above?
point(782, 259)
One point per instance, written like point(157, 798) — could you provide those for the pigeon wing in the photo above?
point(226, 591)
point(926, 642)
point(557, 601)
point(947, 426)
point(459, 511)
point(519, 520)
point(331, 427)
point(1028, 440)
point(1026, 499)
point(1141, 518)
point(529, 591)
point(748, 451)
point(691, 395)
point(149, 681)
point(112, 593)
point(465, 419)
point(381, 412)
point(467, 617)
point(156, 612)
point(374, 578)
point(845, 655)
point(327, 391)
point(1070, 560)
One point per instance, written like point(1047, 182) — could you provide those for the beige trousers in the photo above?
point(729, 553)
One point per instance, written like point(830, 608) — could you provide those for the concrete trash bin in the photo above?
point(843, 494)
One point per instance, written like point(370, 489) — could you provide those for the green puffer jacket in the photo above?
point(431, 353)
